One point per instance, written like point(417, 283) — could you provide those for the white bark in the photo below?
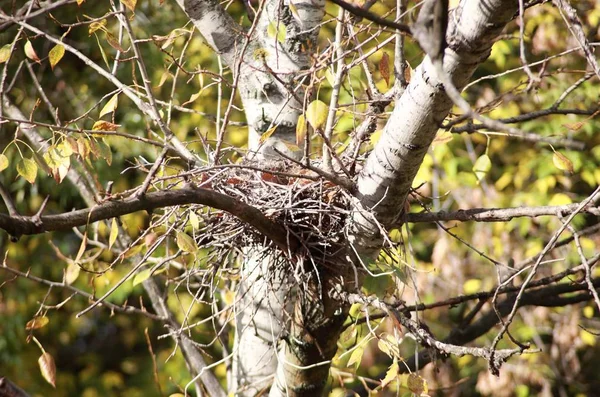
point(390, 169)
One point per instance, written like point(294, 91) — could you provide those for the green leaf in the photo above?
point(114, 233)
point(56, 54)
point(27, 168)
point(110, 106)
point(3, 162)
point(390, 375)
point(482, 166)
point(4, 53)
point(562, 162)
point(277, 29)
point(141, 277)
point(356, 356)
point(186, 243)
point(316, 114)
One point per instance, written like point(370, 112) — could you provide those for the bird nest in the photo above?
point(310, 210)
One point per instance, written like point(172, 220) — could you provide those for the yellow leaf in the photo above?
point(472, 286)
point(80, 2)
point(389, 345)
point(301, 130)
point(267, 135)
point(356, 356)
point(192, 98)
point(390, 375)
point(3, 162)
point(186, 243)
point(48, 368)
point(94, 26)
point(56, 54)
point(30, 52)
point(114, 233)
point(4, 53)
point(130, 4)
point(560, 199)
point(482, 166)
point(228, 297)
point(102, 125)
point(316, 114)
point(416, 384)
point(194, 221)
point(110, 106)
point(562, 162)
point(141, 277)
point(72, 273)
point(37, 323)
point(27, 168)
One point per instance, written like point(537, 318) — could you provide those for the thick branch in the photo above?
point(390, 169)
point(216, 26)
point(25, 225)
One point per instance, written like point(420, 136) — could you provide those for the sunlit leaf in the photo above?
point(130, 4)
point(99, 25)
point(80, 2)
point(301, 130)
point(384, 67)
point(140, 277)
point(30, 52)
point(316, 114)
point(267, 135)
point(48, 368)
point(194, 221)
point(27, 168)
point(72, 273)
point(56, 54)
point(391, 374)
point(4, 53)
point(482, 166)
point(102, 125)
point(562, 162)
point(37, 323)
point(110, 106)
point(356, 356)
point(186, 243)
point(114, 233)
point(3, 162)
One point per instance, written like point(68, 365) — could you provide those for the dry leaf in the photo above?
point(48, 368)
point(30, 52)
point(384, 68)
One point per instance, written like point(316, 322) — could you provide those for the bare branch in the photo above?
point(498, 214)
point(24, 225)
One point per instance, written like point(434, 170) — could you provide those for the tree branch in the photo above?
point(497, 214)
point(26, 225)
